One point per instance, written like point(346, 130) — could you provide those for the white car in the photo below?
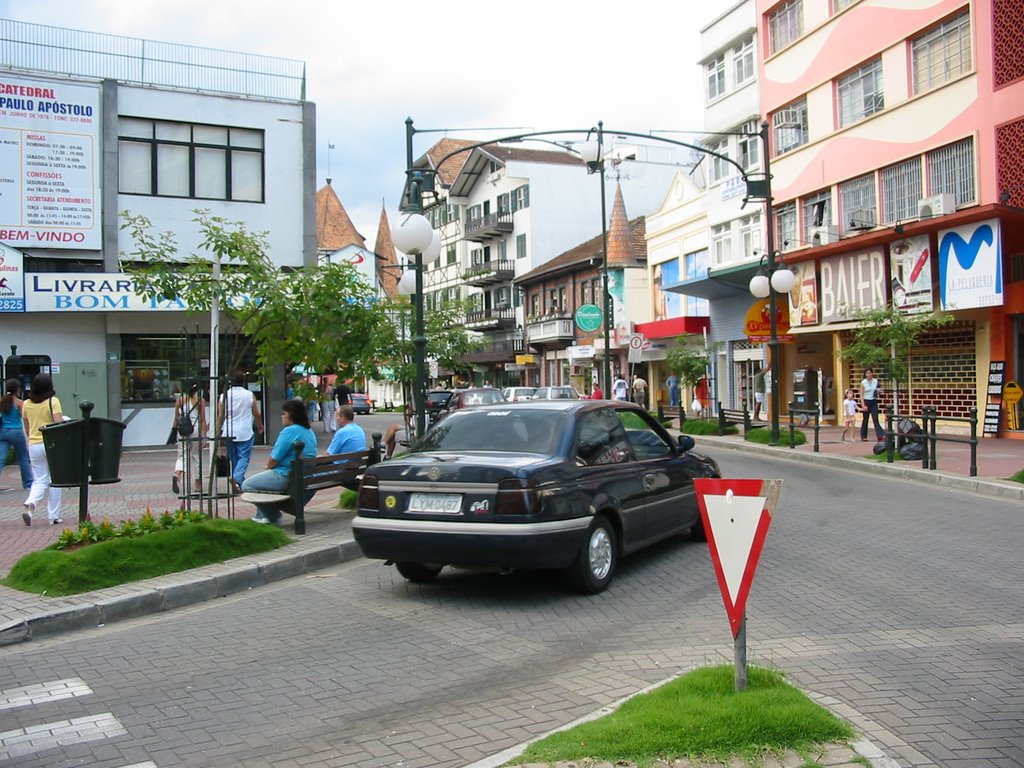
point(513, 394)
point(556, 393)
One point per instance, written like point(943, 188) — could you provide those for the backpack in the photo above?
point(184, 425)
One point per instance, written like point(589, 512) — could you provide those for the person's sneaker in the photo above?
point(260, 518)
point(175, 486)
point(26, 516)
point(58, 521)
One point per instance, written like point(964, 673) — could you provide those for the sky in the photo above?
point(524, 66)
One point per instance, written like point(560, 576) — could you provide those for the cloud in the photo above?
point(538, 65)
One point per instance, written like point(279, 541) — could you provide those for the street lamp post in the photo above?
point(592, 153)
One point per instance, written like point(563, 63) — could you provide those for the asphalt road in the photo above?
point(901, 603)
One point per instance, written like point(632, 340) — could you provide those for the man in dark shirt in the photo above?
point(343, 393)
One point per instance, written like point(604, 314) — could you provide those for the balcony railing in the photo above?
point(484, 319)
point(488, 226)
point(128, 59)
point(540, 330)
point(490, 273)
point(498, 350)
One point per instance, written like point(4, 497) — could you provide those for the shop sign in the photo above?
point(851, 284)
point(97, 292)
point(971, 266)
point(803, 299)
point(911, 274)
point(757, 324)
point(588, 317)
point(526, 360)
point(580, 351)
point(996, 377)
point(12, 280)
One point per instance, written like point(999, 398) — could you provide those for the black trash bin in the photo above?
point(105, 437)
point(63, 444)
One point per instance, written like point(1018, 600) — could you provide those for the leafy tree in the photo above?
point(883, 339)
point(690, 361)
point(324, 318)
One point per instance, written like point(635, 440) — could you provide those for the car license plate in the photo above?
point(436, 503)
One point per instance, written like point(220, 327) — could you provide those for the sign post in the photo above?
point(736, 515)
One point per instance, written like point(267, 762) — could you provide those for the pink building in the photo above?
point(897, 133)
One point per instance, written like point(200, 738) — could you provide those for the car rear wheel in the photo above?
point(418, 573)
point(595, 565)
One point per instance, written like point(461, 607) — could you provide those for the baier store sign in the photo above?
point(971, 266)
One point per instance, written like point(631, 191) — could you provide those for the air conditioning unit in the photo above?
point(860, 219)
point(936, 205)
point(823, 235)
point(495, 177)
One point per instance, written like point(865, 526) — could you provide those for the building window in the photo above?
point(951, 170)
point(790, 126)
point(817, 210)
point(901, 189)
point(721, 244)
point(714, 71)
point(207, 162)
point(743, 60)
point(503, 250)
point(520, 246)
point(695, 266)
point(720, 166)
point(857, 201)
point(521, 197)
point(785, 226)
point(504, 202)
point(785, 24)
point(535, 304)
point(750, 234)
point(452, 254)
point(749, 146)
point(584, 292)
point(841, 5)
point(860, 93)
point(942, 53)
point(473, 213)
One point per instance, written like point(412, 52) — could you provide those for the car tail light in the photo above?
point(516, 497)
point(368, 494)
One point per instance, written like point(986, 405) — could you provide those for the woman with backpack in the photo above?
point(190, 425)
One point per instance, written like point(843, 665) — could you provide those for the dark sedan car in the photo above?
point(468, 398)
point(361, 403)
point(556, 484)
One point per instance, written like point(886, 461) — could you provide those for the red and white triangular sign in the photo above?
point(736, 515)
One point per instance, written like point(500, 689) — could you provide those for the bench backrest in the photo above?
point(327, 471)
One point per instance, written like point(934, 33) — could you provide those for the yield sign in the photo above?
point(736, 515)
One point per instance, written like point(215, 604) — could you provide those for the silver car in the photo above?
point(556, 393)
point(515, 394)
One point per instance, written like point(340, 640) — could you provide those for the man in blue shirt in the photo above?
point(349, 436)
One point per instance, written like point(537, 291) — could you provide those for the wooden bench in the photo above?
point(307, 476)
point(669, 412)
point(727, 416)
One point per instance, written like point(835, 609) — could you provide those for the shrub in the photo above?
point(763, 436)
point(706, 427)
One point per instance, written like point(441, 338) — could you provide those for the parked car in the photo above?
point(515, 394)
point(436, 402)
point(556, 484)
point(556, 393)
point(465, 398)
point(361, 403)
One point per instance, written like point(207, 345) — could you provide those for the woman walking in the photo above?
point(41, 408)
point(186, 467)
point(12, 431)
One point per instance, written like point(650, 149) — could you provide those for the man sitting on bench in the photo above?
point(349, 438)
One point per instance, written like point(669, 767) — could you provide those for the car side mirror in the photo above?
point(685, 443)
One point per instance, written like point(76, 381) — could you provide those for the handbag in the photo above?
point(223, 466)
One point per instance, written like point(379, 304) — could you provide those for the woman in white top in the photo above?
point(190, 448)
point(237, 414)
point(869, 404)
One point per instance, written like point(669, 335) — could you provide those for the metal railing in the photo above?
point(930, 437)
point(810, 413)
point(132, 60)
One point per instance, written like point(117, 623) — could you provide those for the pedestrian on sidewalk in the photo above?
point(12, 431)
point(850, 409)
point(869, 392)
point(41, 408)
point(639, 388)
point(274, 479)
point(237, 414)
point(328, 403)
point(192, 406)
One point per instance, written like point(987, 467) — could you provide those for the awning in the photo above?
point(673, 326)
point(718, 283)
point(800, 330)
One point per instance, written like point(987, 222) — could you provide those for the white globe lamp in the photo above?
point(783, 280)
point(759, 286)
point(407, 283)
point(413, 234)
point(432, 251)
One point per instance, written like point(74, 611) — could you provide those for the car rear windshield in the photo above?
point(438, 397)
point(512, 431)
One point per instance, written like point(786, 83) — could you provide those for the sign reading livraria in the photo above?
point(49, 167)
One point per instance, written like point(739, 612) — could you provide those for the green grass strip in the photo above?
point(699, 716)
point(119, 561)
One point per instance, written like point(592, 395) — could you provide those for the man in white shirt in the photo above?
point(237, 412)
point(620, 389)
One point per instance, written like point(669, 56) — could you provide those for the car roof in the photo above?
point(557, 405)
